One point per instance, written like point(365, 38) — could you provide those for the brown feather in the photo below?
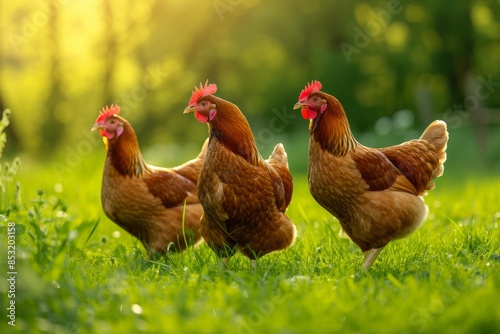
point(281, 177)
point(172, 189)
point(376, 170)
point(232, 130)
point(243, 196)
point(331, 130)
point(124, 152)
point(159, 206)
point(374, 193)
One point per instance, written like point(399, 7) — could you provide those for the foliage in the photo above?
point(7, 170)
point(80, 273)
point(378, 57)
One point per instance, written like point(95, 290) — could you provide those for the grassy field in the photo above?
point(77, 272)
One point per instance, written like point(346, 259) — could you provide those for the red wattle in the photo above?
point(107, 134)
point(201, 117)
point(309, 113)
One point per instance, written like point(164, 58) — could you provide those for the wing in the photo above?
point(282, 183)
point(247, 191)
point(235, 191)
point(379, 172)
point(281, 178)
point(416, 160)
point(173, 189)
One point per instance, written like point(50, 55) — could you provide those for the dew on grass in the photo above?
point(137, 309)
point(116, 234)
point(72, 234)
point(58, 188)
point(61, 214)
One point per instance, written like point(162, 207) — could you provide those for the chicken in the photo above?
point(159, 206)
point(376, 194)
point(244, 197)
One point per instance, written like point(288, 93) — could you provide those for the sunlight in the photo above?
point(397, 36)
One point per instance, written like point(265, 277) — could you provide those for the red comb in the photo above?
point(202, 91)
point(310, 88)
point(107, 112)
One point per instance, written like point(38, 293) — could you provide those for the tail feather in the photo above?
point(282, 179)
point(279, 154)
point(437, 134)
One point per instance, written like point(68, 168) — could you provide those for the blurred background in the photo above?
point(394, 64)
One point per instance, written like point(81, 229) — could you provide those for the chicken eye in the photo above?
point(204, 103)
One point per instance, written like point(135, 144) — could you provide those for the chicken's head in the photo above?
point(204, 110)
point(108, 123)
point(310, 101)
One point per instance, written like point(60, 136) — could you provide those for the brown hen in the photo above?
point(244, 197)
point(159, 206)
point(376, 194)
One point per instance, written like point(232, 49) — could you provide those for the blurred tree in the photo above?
point(147, 55)
point(110, 40)
point(50, 136)
point(454, 60)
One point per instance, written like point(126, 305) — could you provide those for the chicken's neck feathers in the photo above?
point(125, 155)
point(332, 131)
point(235, 134)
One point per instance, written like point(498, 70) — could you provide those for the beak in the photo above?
point(299, 105)
point(189, 110)
point(97, 126)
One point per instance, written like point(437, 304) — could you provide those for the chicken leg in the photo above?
point(370, 256)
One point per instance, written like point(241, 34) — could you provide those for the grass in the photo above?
point(77, 272)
